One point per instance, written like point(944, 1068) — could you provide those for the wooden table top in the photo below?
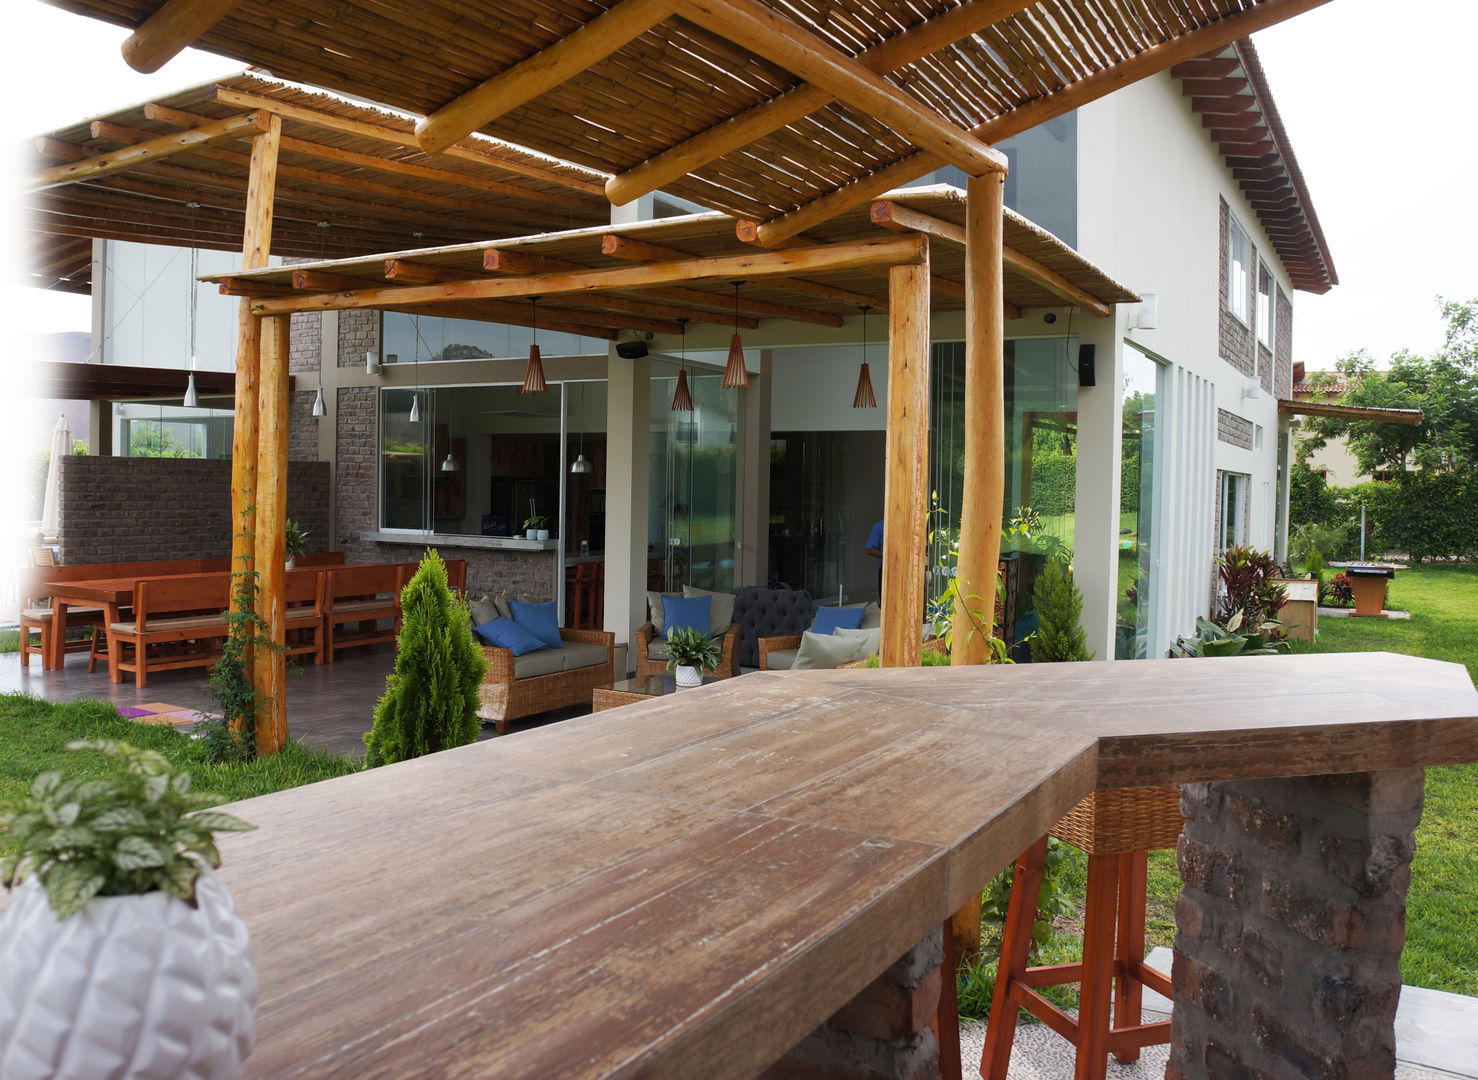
point(94, 590)
point(691, 890)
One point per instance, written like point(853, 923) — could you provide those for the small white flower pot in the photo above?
point(144, 987)
point(531, 534)
point(688, 676)
point(543, 534)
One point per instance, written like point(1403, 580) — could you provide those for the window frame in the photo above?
point(1234, 277)
point(1265, 324)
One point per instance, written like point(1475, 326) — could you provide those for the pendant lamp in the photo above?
point(581, 466)
point(319, 408)
point(192, 399)
point(533, 376)
point(451, 464)
point(682, 400)
point(864, 398)
point(736, 375)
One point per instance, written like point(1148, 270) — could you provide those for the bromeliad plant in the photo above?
point(138, 829)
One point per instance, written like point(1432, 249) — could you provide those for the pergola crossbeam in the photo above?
point(172, 28)
point(114, 161)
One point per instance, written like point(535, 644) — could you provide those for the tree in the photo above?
point(430, 700)
point(1059, 634)
point(1444, 387)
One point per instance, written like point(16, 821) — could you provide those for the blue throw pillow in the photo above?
point(832, 618)
point(686, 611)
point(541, 620)
point(507, 634)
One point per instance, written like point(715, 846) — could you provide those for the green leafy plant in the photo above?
point(942, 615)
point(295, 539)
point(688, 646)
point(138, 829)
point(929, 659)
point(1213, 640)
point(1341, 590)
point(1052, 901)
point(1059, 635)
point(1249, 595)
point(534, 521)
point(430, 700)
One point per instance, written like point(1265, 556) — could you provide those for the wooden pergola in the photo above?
point(781, 116)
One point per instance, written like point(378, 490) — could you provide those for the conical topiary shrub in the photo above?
point(430, 700)
point(1059, 633)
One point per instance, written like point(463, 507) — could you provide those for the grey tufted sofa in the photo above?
point(764, 612)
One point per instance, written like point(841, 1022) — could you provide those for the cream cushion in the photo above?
point(824, 651)
point(720, 609)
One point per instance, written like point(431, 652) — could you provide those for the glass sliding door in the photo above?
point(694, 487)
point(1137, 476)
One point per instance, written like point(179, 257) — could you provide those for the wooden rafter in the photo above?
point(823, 258)
point(176, 25)
point(1189, 45)
point(151, 150)
point(890, 215)
point(767, 33)
point(594, 41)
point(772, 115)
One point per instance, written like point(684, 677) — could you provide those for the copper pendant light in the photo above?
point(682, 400)
point(533, 376)
point(864, 398)
point(736, 375)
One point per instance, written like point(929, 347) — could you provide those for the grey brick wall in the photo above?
point(356, 500)
point(359, 333)
point(133, 509)
point(302, 426)
point(1264, 368)
point(529, 573)
point(307, 330)
point(1233, 429)
point(1236, 343)
point(1283, 346)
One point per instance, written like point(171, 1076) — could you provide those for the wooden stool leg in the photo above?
point(947, 1016)
point(1096, 989)
point(1128, 990)
point(1016, 939)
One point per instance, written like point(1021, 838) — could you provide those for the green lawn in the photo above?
point(34, 735)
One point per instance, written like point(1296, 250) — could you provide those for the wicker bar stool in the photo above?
point(1117, 828)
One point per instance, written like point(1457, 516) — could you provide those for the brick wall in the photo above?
point(359, 333)
point(1236, 343)
point(1283, 346)
point(302, 426)
point(881, 1034)
point(306, 336)
point(527, 573)
point(1290, 925)
point(1265, 368)
point(1233, 429)
point(357, 501)
point(133, 509)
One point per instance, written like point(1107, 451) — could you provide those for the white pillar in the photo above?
point(628, 424)
point(1096, 514)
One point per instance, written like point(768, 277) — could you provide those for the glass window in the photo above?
point(144, 430)
point(1239, 257)
point(1264, 304)
point(1233, 512)
point(405, 337)
point(692, 506)
point(1137, 461)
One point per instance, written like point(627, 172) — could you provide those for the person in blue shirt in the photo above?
point(875, 549)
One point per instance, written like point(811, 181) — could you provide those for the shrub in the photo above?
point(1341, 590)
point(1249, 596)
point(430, 700)
point(1059, 633)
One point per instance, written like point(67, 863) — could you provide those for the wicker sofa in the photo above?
point(651, 653)
point(518, 686)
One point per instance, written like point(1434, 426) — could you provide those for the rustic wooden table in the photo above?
point(690, 892)
point(110, 594)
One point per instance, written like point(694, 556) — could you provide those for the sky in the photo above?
point(1378, 111)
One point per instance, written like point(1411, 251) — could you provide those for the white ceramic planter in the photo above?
point(543, 534)
point(137, 987)
point(531, 534)
point(688, 676)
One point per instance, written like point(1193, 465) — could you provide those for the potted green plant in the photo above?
point(534, 527)
point(690, 652)
point(294, 541)
point(121, 950)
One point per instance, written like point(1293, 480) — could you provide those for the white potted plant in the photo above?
point(121, 954)
point(689, 653)
point(294, 541)
point(533, 526)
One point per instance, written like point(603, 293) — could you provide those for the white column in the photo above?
point(628, 423)
point(1096, 515)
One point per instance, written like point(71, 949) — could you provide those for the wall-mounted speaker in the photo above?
point(1086, 374)
point(631, 350)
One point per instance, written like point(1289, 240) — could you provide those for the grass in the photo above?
point(1442, 905)
point(34, 735)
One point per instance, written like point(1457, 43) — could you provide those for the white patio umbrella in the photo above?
point(61, 443)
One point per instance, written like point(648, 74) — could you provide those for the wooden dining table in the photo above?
point(110, 594)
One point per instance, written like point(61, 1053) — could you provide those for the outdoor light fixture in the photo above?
point(581, 466)
point(451, 464)
point(736, 375)
point(682, 400)
point(319, 409)
point(533, 376)
point(416, 406)
point(416, 398)
point(192, 399)
point(372, 363)
point(864, 398)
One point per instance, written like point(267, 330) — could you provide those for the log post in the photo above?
point(256, 243)
point(906, 492)
point(985, 420)
point(269, 665)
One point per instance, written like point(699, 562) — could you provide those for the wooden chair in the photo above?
point(1116, 828)
point(302, 621)
point(177, 623)
point(365, 596)
point(36, 618)
point(580, 596)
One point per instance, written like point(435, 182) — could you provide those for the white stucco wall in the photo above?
point(1150, 181)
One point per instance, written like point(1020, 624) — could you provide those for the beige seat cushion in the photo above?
point(182, 622)
point(581, 655)
point(44, 614)
point(825, 651)
point(720, 609)
point(538, 662)
point(780, 659)
point(869, 640)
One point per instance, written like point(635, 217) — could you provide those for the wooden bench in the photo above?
point(363, 595)
point(177, 623)
point(302, 617)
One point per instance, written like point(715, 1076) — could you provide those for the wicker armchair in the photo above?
point(728, 665)
point(504, 697)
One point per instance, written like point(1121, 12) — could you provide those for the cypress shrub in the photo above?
point(430, 700)
point(1059, 633)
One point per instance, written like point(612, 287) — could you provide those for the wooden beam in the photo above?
point(1232, 121)
point(1193, 43)
point(755, 123)
point(269, 664)
point(903, 218)
point(380, 133)
point(1222, 106)
point(152, 150)
point(724, 268)
point(1206, 68)
point(767, 33)
point(309, 148)
point(906, 475)
point(581, 48)
point(985, 420)
point(175, 25)
point(1213, 87)
point(1409, 417)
